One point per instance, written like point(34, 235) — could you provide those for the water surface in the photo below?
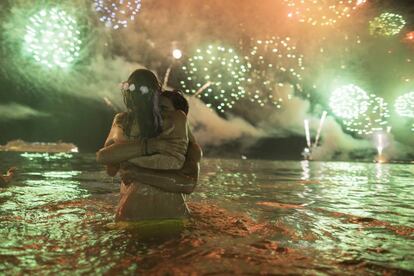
point(248, 216)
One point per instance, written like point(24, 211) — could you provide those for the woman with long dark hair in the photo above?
point(141, 125)
point(183, 180)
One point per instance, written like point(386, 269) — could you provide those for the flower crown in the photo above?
point(125, 86)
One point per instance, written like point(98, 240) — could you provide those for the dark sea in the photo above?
point(248, 217)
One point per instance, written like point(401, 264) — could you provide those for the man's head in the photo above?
point(173, 100)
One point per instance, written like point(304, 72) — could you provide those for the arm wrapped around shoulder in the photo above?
point(117, 148)
point(170, 147)
point(121, 151)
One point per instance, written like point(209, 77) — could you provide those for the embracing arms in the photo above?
point(167, 151)
point(172, 142)
point(169, 155)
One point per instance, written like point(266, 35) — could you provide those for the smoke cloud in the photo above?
point(112, 55)
point(211, 129)
point(14, 111)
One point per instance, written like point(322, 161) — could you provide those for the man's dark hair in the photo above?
point(178, 100)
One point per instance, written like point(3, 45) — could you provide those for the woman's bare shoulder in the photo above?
point(120, 118)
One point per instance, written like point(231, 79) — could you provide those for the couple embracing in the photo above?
point(152, 149)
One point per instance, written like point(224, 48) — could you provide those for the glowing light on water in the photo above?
point(46, 156)
point(52, 38)
point(225, 71)
point(307, 132)
point(275, 63)
point(321, 123)
point(349, 101)
point(374, 119)
point(321, 12)
point(305, 170)
point(116, 14)
point(387, 24)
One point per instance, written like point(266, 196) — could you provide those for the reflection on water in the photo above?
point(357, 212)
point(41, 221)
point(46, 156)
point(305, 170)
point(319, 217)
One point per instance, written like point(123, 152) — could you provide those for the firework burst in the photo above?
point(222, 69)
point(52, 38)
point(349, 101)
point(404, 105)
point(321, 12)
point(374, 119)
point(117, 14)
point(387, 24)
point(275, 63)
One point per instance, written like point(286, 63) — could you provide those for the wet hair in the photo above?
point(178, 100)
point(143, 104)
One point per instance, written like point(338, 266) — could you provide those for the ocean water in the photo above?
point(248, 216)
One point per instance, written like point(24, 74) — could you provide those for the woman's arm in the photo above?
point(166, 182)
point(169, 181)
point(115, 134)
point(121, 151)
point(171, 146)
point(116, 148)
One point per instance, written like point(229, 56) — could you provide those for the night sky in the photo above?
point(41, 105)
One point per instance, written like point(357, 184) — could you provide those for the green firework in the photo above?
point(222, 70)
point(349, 101)
point(404, 106)
point(387, 24)
point(276, 63)
point(374, 119)
point(52, 38)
